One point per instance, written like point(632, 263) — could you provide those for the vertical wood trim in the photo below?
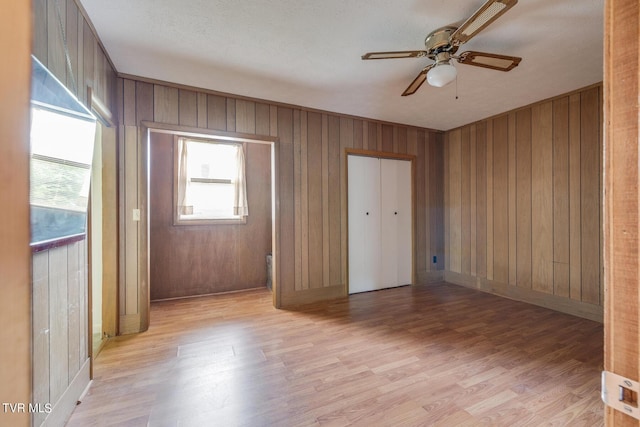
point(304, 200)
point(202, 110)
point(187, 108)
point(501, 199)
point(74, 327)
point(315, 211)
point(575, 215)
point(71, 32)
point(56, 23)
point(325, 200)
point(40, 331)
point(561, 197)
point(58, 323)
point(334, 202)
point(144, 101)
point(216, 112)
point(245, 116)
point(490, 199)
point(421, 207)
point(297, 193)
point(129, 100)
point(621, 112)
point(455, 191)
point(542, 197)
point(347, 128)
point(447, 203)
point(436, 197)
point(590, 197)
point(512, 200)
point(40, 30)
point(231, 114)
point(473, 199)
point(465, 211)
point(523, 206)
point(481, 196)
point(286, 201)
point(165, 104)
point(131, 232)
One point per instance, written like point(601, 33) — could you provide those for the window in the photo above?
point(210, 182)
point(62, 138)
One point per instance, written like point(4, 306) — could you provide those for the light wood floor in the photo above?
point(424, 355)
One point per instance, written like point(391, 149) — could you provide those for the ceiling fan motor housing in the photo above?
point(440, 41)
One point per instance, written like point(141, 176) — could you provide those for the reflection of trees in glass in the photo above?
point(60, 185)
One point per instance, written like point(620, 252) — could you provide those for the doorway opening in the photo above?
point(191, 255)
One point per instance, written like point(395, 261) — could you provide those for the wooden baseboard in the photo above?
point(553, 302)
point(63, 408)
point(426, 277)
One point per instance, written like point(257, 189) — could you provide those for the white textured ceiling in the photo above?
point(307, 53)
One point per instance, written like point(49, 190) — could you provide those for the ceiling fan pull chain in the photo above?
point(456, 86)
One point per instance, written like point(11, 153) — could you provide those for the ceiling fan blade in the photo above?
point(417, 82)
point(397, 54)
point(489, 60)
point(489, 12)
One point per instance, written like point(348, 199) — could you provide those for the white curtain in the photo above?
point(240, 206)
point(183, 181)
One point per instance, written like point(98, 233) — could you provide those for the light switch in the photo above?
point(136, 214)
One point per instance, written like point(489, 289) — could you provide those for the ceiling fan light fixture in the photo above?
point(442, 74)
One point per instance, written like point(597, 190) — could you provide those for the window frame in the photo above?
point(177, 221)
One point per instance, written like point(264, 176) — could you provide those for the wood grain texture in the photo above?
point(455, 211)
point(352, 361)
point(490, 220)
point(621, 89)
point(465, 199)
point(187, 108)
point(40, 331)
point(313, 220)
point(436, 196)
point(542, 197)
point(447, 204)
point(512, 185)
point(536, 171)
point(561, 196)
point(523, 208)
point(575, 214)
point(481, 197)
point(314, 173)
point(590, 194)
point(473, 200)
point(501, 199)
point(325, 200)
point(16, 35)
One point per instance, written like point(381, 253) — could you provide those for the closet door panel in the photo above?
point(389, 224)
point(364, 223)
point(404, 223)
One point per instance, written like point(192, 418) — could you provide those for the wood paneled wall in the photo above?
point(15, 265)
point(312, 176)
point(621, 246)
point(65, 43)
point(203, 259)
point(522, 204)
point(60, 325)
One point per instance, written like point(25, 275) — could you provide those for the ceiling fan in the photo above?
point(442, 44)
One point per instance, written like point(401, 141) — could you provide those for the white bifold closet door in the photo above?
point(380, 246)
